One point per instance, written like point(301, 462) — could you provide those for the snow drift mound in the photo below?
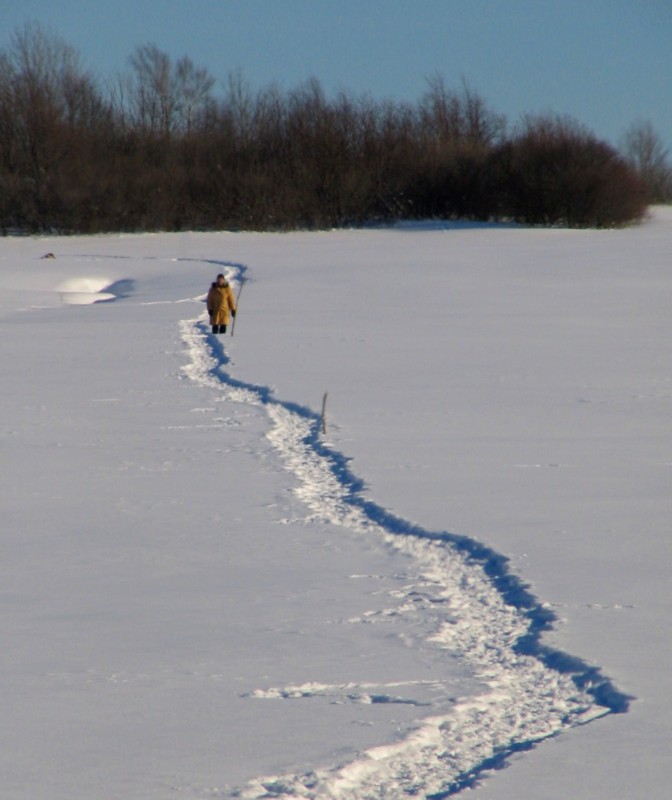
point(88, 290)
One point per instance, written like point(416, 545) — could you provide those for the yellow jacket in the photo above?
point(220, 302)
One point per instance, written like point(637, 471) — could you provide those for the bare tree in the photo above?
point(44, 62)
point(240, 104)
point(193, 86)
point(155, 97)
point(645, 150)
point(459, 118)
point(482, 126)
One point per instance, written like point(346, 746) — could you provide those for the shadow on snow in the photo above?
point(496, 566)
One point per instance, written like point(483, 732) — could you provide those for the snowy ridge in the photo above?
point(480, 611)
point(349, 692)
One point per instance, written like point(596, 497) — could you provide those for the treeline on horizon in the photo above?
point(158, 150)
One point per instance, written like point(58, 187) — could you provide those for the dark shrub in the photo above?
point(555, 172)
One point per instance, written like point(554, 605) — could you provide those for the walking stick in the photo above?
point(240, 289)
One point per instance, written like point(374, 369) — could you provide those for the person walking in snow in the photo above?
point(221, 304)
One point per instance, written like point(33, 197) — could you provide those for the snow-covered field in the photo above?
point(202, 595)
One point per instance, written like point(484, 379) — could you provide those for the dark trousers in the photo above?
point(219, 328)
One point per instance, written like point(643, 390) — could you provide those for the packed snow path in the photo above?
point(479, 611)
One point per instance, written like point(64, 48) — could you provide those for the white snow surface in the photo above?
point(203, 595)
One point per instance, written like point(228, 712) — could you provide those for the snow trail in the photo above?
point(483, 613)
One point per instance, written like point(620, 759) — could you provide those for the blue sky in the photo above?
point(606, 62)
